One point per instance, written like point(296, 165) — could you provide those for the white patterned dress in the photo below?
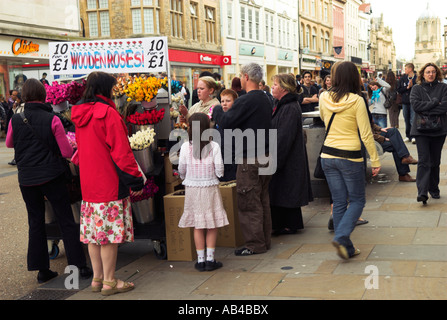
point(203, 207)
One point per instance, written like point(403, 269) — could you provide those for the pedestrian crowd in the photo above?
point(355, 112)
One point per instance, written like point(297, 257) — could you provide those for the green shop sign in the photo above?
point(251, 50)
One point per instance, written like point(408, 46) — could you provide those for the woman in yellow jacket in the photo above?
point(341, 158)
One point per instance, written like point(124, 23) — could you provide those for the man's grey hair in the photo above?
point(254, 71)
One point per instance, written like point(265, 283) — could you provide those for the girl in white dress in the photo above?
point(200, 166)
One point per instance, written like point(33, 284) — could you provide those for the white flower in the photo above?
point(142, 139)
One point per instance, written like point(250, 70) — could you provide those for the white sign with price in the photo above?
point(142, 55)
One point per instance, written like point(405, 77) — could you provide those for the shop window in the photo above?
point(98, 18)
point(145, 16)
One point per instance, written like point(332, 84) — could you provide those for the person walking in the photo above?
point(344, 109)
point(406, 83)
point(40, 144)
point(429, 99)
point(377, 93)
point(109, 175)
point(200, 167)
point(292, 164)
point(253, 112)
point(394, 110)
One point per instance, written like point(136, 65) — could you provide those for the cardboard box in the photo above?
point(230, 235)
point(179, 241)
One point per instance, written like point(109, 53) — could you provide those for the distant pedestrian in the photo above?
point(377, 93)
point(406, 83)
point(395, 107)
point(39, 145)
point(429, 98)
point(342, 158)
point(44, 79)
point(200, 167)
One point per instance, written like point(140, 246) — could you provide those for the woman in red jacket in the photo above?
point(109, 174)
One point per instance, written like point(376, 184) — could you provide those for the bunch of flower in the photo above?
point(61, 92)
point(72, 139)
point(174, 114)
point(149, 191)
point(121, 85)
point(177, 98)
point(176, 86)
point(143, 88)
point(181, 125)
point(142, 139)
point(210, 113)
point(147, 117)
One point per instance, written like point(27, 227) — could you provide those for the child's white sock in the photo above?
point(201, 255)
point(210, 254)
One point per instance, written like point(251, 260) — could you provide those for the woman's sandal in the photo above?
point(127, 286)
point(96, 288)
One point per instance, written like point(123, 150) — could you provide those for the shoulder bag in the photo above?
point(319, 172)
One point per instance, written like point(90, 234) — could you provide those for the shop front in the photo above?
point(22, 58)
point(186, 66)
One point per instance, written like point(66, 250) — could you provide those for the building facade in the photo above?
point(383, 51)
point(428, 46)
point(25, 35)
point(191, 26)
point(338, 7)
point(316, 36)
point(264, 32)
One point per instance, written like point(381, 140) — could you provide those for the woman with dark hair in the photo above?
point(109, 174)
point(236, 85)
point(343, 109)
point(201, 166)
point(429, 98)
point(292, 164)
point(40, 143)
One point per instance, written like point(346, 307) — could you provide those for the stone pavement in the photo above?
point(403, 256)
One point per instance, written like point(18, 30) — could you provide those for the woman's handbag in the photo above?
point(319, 172)
point(428, 123)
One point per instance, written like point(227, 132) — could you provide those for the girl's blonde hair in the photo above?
point(211, 83)
point(286, 81)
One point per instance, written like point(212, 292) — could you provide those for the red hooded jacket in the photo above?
point(107, 165)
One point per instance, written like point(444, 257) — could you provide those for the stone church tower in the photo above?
point(428, 46)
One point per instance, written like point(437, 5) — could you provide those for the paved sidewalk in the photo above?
point(404, 244)
point(403, 256)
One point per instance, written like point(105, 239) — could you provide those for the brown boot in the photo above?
point(406, 178)
point(409, 160)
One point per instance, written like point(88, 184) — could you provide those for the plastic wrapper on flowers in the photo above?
point(147, 117)
point(142, 139)
point(176, 86)
point(149, 191)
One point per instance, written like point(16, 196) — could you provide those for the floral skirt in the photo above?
point(203, 208)
point(107, 222)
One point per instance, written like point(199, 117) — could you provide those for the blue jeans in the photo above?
point(380, 119)
point(408, 114)
point(346, 180)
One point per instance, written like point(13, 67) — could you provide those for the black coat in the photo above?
point(290, 185)
point(430, 99)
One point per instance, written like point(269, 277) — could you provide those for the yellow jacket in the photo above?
point(350, 119)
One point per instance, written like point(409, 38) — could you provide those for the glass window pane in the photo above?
point(136, 21)
point(93, 24)
point(105, 23)
point(148, 21)
point(91, 4)
point(103, 4)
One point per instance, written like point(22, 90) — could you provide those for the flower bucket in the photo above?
point(143, 211)
point(145, 159)
point(149, 105)
point(60, 107)
point(136, 128)
point(50, 217)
